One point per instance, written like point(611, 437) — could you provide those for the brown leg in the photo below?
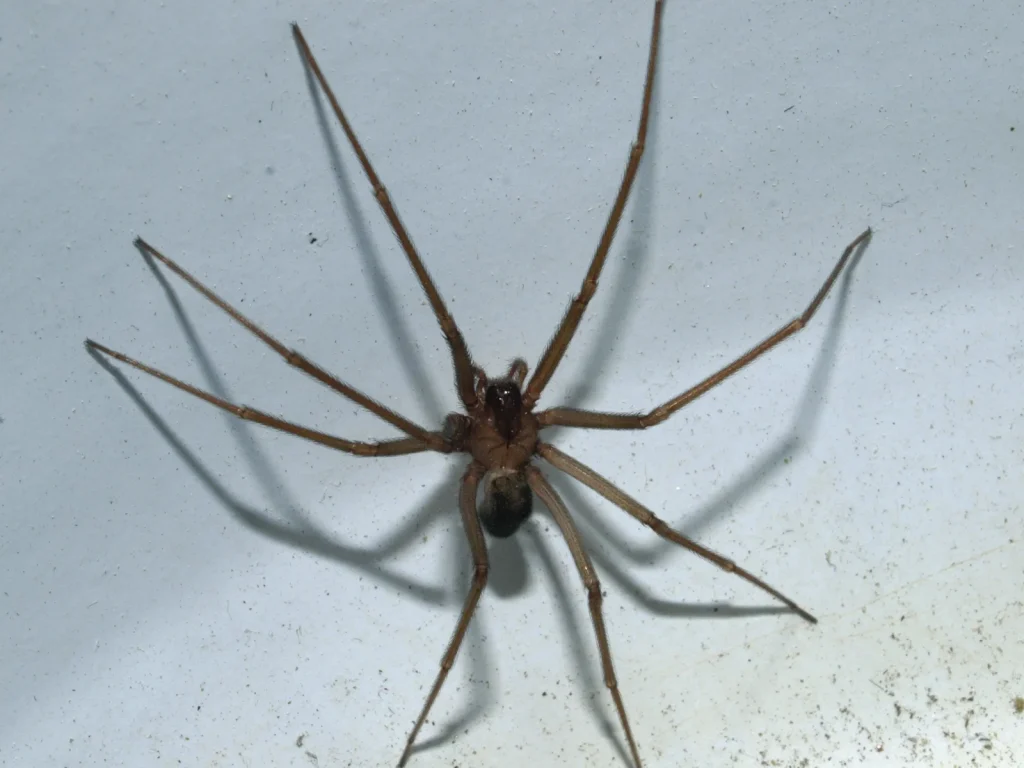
point(293, 358)
point(478, 548)
point(560, 341)
point(571, 417)
point(460, 353)
point(400, 447)
point(593, 480)
point(556, 506)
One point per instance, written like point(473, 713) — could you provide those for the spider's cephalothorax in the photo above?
point(499, 428)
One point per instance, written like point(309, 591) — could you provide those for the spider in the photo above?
point(500, 428)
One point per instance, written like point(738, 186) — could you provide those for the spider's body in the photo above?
point(502, 434)
point(499, 430)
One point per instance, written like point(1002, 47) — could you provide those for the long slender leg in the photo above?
point(572, 417)
point(593, 480)
point(554, 503)
point(399, 447)
point(478, 548)
point(460, 352)
point(560, 341)
point(295, 359)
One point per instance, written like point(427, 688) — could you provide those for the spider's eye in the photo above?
point(506, 404)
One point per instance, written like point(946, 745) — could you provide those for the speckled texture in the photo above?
point(179, 589)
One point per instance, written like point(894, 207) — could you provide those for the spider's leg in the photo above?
point(572, 417)
point(478, 548)
point(624, 501)
point(431, 439)
point(560, 341)
point(558, 510)
point(460, 352)
point(399, 447)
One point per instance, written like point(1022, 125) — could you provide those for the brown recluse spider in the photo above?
point(500, 429)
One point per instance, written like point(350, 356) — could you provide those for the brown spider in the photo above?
point(500, 428)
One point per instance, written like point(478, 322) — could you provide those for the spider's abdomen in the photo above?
point(507, 502)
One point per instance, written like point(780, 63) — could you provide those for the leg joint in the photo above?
point(587, 292)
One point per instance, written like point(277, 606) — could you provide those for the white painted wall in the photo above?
point(179, 589)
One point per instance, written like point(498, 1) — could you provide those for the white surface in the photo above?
point(179, 589)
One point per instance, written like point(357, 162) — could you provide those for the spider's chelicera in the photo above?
point(500, 430)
